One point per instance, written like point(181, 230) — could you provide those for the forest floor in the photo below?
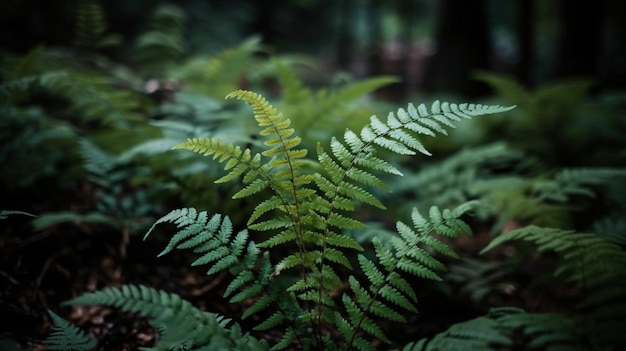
point(39, 272)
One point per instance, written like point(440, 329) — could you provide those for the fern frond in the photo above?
point(225, 69)
point(26, 84)
point(410, 255)
point(90, 23)
point(285, 170)
point(595, 265)
point(179, 320)
point(4, 214)
point(164, 44)
point(504, 327)
point(351, 162)
point(576, 181)
point(67, 337)
point(239, 162)
point(212, 238)
point(324, 112)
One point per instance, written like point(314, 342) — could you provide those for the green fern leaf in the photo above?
point(242, 278)
point(274, 320)
point(342, 241)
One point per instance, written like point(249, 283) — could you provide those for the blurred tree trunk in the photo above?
point(613, 63)
point(345, 39)
point(263, 23)
point(462, 41)
point(524, 10)
point(580, 41)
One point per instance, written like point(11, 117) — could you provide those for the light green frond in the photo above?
point(255, 187)
point(178, 320)
point(264, 113)
point(285, 341)
point(381, 310)
point(402, 285)
point(238, 162)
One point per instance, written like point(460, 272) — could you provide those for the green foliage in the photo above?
point(163, 44)
point(181, 324)
point(601, 281)
point(558, 122)
point(227, 70)
point(91, 26)
point(67, 337)
point(511, 186)
point(325, 112)
point(505, 328)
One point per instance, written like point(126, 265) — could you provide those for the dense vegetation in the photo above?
point(312, 214)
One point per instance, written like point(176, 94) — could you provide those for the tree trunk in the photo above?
point(462, 46)
point(524, 28)
point(580, 41)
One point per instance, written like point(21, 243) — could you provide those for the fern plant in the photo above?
point(293, 258)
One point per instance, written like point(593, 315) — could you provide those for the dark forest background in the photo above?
point(434, 45)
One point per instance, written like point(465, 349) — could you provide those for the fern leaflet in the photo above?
point(67, 337)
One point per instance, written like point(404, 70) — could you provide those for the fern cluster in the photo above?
point(307, 214)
